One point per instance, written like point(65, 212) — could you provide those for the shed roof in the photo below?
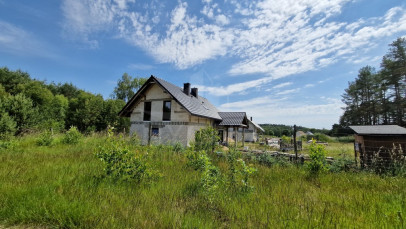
point(198, 106)
point(379, 130)
point(233, 119)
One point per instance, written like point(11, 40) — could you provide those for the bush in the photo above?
point(238, 172)
point(121, 163)
point(269, 160)
point(8, 126)
point(322, 137)
point(343, 164)
point(206, 139)
point(72, 136)
point(198, 160)
point(318, 163)
point(210, 181)
point(45, 139)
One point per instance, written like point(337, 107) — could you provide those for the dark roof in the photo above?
point(198, 106)
point(379, 130)
point(233, 119)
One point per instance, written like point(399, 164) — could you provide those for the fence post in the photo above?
point(294, 142)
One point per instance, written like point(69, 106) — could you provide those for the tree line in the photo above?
point(378, 96)
point(28, 105)
point(279, 130)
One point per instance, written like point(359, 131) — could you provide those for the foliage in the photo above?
point(342, 164)
point(210, 181)
point(36, 105)
point(121, 163)
point(127, 86)
point(198, 160)
point(286, 139)
point(72, 136)
point(376, 97)
point(238, 172)
point(317, 154)
point(269, 160)
point(178, 147)
point(21, 109)
point(7, 126)
point(45, 138)
point(206, 139)
point(322, 137)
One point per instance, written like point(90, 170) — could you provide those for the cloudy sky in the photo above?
point(281, 61)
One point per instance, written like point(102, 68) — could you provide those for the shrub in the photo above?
point(198, 160)
point(45, 138)
point(269, 160)
point(342, 164)
point(210, 181)
point(178, 147)
point(8, 126)
point(121, 163)
point(238, 172)
point(206, 139)
point(322, 137)
point(318, 163)
point(72, 136)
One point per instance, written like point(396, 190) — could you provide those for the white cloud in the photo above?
point(273, 39)
point(233, 88)
point(269, 109)
point(291, 91)
point(282, 85)
point(309, 85)
point(222, 19)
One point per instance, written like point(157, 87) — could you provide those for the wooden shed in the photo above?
point(379, 144)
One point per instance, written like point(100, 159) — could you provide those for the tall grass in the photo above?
point(64, 186)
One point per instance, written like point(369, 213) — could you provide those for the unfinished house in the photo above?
point(162, 113)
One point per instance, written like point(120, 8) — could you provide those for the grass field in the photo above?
point(64, 186)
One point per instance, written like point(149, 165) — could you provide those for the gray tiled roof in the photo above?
point(379, 130)
point(199, 106)
point(233, 118)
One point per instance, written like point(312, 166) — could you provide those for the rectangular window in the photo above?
point(155, 132)
point(147, 111)
point(167, 111)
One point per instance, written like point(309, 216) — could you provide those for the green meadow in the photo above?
point(66, 186)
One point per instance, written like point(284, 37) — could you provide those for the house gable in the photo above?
point(157, 96)
point(195, 105)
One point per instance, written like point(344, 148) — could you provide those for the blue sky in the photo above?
point(281, 61)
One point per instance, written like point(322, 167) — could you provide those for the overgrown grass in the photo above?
point(334, 149)
point(65, 186)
